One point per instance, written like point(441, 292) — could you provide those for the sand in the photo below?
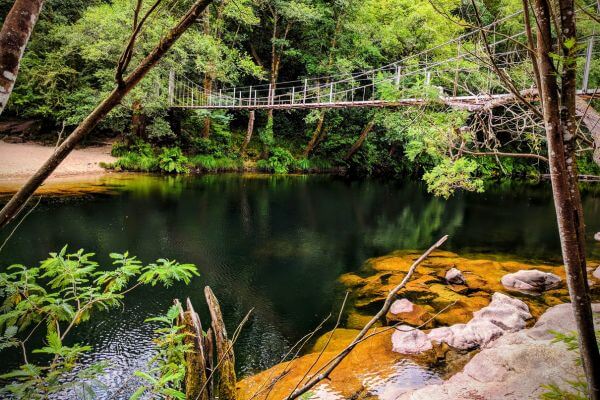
point(18, 161)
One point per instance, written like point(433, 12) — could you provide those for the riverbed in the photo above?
point(277, 244)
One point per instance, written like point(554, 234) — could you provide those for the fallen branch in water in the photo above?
point(327, 369)
point(300, 345)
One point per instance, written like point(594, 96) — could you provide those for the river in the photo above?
point(273, 243)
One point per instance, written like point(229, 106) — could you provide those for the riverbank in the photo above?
point(384, 368)
point(21, 160)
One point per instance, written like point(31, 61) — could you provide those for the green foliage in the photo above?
point(160, 130)
point(166, 370)
point(172, 160)
point(279, 161)
point(446, 177)
point(66, 290)
point(210, 163)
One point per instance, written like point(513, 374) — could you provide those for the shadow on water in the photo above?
point(277, 244)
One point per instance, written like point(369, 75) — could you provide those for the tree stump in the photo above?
point(225, 358)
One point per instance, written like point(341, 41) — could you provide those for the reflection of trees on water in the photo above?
point(279, 243)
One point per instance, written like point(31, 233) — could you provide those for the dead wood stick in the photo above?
point(234, 339)
point(299, 345)
point(337, 323)
point(328, 368)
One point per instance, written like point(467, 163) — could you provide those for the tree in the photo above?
point(123, 87)
point(558, 109)
point(14, 35)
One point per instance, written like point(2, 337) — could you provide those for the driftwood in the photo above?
point(224, 347)
point(210, 353)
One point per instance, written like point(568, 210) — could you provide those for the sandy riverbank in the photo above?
point(20, 160)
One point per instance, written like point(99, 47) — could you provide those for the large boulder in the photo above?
point(513, 367)
point(503, 314)
point(531, 280)
point(455, 277)
point(409, 340)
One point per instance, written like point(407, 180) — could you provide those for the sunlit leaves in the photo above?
point(166, 370)
point(60, 294)
point(449, 175)
point(167, 272)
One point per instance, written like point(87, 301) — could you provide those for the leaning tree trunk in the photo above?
point(14, 35)
point(559, 119)
point(316, 134)
point(18, 201)
point(249, 132)
point(361, 139)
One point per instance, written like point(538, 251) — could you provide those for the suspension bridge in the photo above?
point(461, 73)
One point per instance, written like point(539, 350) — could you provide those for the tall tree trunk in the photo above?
point(318, 129)
point(17, 202)
point(316, 133)
point(248, 132)
point(559, 119)
point(361, 139)
point(14, 36)
point(138, 123)
point(207, 84)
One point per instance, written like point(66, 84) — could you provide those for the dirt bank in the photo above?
point(20, 160)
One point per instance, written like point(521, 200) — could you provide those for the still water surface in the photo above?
point(275, 244)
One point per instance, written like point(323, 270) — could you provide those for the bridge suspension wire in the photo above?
point(464, 79)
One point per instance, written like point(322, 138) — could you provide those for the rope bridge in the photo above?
point(460, 73)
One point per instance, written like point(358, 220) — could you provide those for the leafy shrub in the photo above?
point(450, 175)
point(172, 160)
point(132, 161)
point(303, 165)
point(279, 162)
point(64, 291)
point(215, 164)
point(160, 130)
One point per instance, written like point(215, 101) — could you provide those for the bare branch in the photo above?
point(328, 368)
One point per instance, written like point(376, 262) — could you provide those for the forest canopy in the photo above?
point(70, 62)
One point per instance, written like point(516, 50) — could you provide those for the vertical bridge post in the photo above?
point(304, 96)
point(588, 64)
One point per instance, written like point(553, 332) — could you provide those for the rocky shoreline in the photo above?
point(454, 318)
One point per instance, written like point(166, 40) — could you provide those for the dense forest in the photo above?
point(490, 90)
point(70, 63)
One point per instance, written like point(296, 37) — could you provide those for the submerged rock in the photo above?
point(498, 372)
point(455, 277)
point(405, 311)
point(504, 314)
point(532, 280)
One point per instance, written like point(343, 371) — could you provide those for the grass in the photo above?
point(216, 164)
